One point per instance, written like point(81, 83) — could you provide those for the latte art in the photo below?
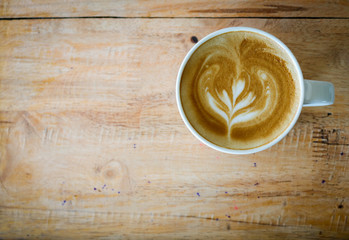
point(238, 91)
point(237, 103)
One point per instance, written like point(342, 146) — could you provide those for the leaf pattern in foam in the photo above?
point(226, 102)
point(217, 107)
point(245, 116)
point(237, 89)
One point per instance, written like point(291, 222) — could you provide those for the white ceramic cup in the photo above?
point(312, 93)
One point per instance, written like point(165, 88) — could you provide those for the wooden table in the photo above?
point(92, 145)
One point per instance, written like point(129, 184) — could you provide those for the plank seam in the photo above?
point(120, 17)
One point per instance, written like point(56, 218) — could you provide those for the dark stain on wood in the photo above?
point(319, 157)
point(5, 122)
point(270, 8)
point(328, 137)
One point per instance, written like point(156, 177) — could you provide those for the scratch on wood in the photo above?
point(44, 136)
point(331, 222)
point(345, 224)
point(172, 136)
point(283, 144)
point(297, 141)
point(330, 177)
point(305, 134)
point(334, 161)
point(50, 134)
point(278, 220)
point(29, 124)
point(259, 219)
point(291, 136)
point(101, 135)
point(56, 136)
point(337, 225)
point(23, 141)
point(311, 138)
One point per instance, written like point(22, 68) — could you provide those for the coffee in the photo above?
point(239, 90)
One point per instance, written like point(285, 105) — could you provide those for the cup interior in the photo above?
point(228, 150)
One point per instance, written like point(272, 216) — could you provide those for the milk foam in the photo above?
point(238, 90)
point(226, 103)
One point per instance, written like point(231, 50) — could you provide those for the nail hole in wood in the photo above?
point(194, 39)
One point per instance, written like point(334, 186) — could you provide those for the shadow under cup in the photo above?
point(232, 87)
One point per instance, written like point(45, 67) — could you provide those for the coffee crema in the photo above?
point(238, 90)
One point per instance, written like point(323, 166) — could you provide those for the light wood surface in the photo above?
point(92, 144)
point(175, 8)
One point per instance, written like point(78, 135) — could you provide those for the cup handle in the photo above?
point(318, 93)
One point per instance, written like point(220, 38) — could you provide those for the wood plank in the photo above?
point(108, 225)
point(175, 8)
point(90, 135)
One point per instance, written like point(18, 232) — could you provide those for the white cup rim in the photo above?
point(242, 151)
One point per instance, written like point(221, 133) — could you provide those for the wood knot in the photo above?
point(112, 176)
point(110, 173)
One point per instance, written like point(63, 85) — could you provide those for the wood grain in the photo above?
point(92, 144)
point(175, 8)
